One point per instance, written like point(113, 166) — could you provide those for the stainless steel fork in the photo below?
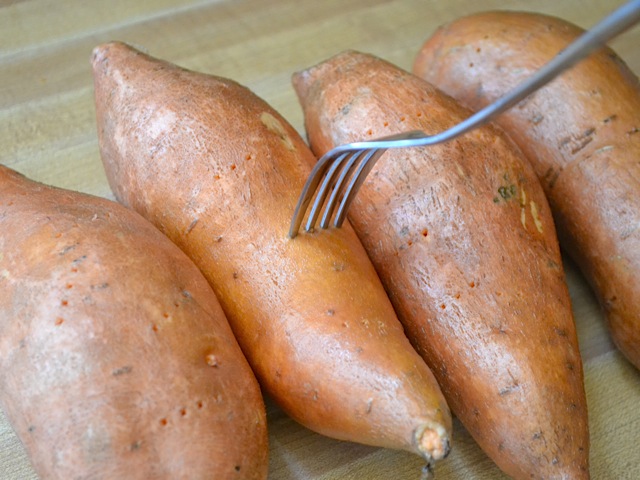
point(340, 172)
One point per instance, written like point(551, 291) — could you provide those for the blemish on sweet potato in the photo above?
point(135, 445)
point(508, 389)
point(68, 248)
point(80, 259)
point(536, 217)
point(191, 226)
point(212, 360)
point(122, 370)
point(537, 118)
point(338, 266)
point(561, 332)
point(274, 125)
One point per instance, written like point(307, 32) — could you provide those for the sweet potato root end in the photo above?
point(432, 442)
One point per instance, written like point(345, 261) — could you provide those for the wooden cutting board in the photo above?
point(48, 132)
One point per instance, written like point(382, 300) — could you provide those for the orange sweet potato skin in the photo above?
point(116, 360)
point(219, 171)
point(581, 133)
point(464, 242)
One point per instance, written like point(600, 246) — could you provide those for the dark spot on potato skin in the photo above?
point(68, 248)
point(80, 259)
point(135, 445)
point(122, 370)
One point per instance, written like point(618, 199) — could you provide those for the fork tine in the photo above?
point(338, 187)
point(364, 168)
point(324, 189)
point(307, 193)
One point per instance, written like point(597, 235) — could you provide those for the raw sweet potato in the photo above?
point(463, 240)
point(581, 133)
point(116, 359)
point(219, 171)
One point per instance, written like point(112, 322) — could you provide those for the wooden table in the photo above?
point(48, 132)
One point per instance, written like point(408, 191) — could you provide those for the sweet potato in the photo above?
point(116, 359)
point(219, 171)
point(581, 133)
point(462, 238)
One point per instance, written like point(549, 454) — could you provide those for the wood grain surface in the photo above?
point(48, 132)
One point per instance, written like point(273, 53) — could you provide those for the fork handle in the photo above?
point(614, 24)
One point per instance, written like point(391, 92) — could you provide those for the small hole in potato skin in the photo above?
point(212, 360)
point(163, 422)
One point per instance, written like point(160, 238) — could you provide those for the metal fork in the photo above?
point(340, 172)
